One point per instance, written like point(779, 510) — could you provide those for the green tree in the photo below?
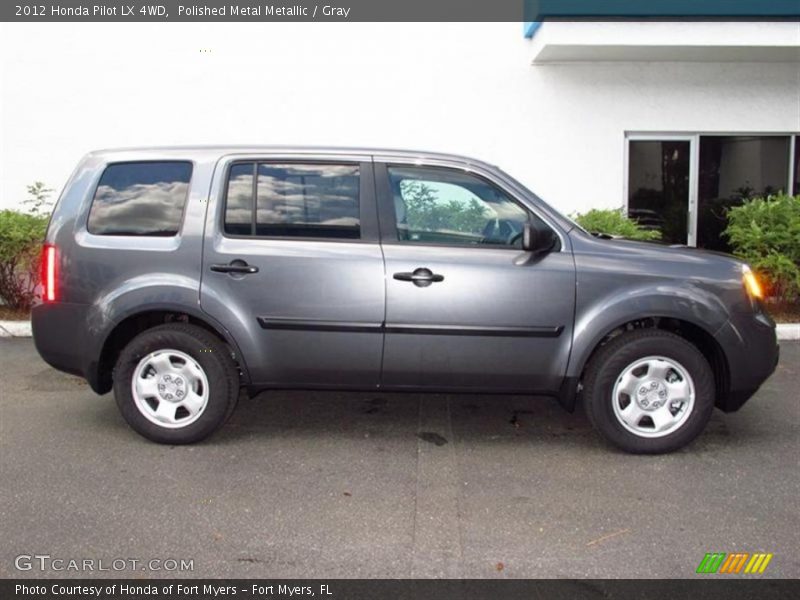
point(426, 212)
point(38, 202)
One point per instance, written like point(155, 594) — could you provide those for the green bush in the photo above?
point(765, 232)
point(21, 237)
point(614, 222)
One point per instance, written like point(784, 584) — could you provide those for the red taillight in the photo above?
point(49, 273)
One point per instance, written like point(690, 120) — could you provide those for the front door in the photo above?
point(294, 269)
point(466, 307)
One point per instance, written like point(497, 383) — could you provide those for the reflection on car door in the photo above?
point(466, 308)
point(295, 272)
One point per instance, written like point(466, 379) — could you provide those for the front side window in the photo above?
point(140, 198)
point(444, 206)
point(293, 200)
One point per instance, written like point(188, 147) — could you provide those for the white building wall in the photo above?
point(465, 88)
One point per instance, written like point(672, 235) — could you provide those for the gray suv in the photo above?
point(179, 276)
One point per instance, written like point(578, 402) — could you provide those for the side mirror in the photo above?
point(535, 241)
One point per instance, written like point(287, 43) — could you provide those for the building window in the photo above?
point(684, 185)
point(796, 183)
point(733, 169)
point(140, 198)
point(658, 187)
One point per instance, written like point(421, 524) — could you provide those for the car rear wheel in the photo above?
point(176, 383)
point(649, 391)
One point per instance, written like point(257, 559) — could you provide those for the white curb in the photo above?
point(786, 331)
point(15, 329)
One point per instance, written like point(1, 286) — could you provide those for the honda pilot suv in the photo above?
point(179, 276)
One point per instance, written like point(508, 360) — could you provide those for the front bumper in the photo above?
point(750, 344)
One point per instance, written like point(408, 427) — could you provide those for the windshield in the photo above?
point(569, 220)
point(575, 224)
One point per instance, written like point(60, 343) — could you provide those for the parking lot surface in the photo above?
point(341, 485)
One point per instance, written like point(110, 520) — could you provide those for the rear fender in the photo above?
point(150, 293)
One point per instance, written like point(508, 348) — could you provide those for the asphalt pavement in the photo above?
point(342, 485)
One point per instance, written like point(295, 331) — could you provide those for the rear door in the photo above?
point(293, 269)
point(467, 308)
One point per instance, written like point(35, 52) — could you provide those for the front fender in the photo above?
point(688, 301)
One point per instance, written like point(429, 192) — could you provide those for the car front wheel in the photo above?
point(176, 383)
point(649, 391)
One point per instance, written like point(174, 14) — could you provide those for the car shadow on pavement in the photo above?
point(350, 416)
point(434, 419)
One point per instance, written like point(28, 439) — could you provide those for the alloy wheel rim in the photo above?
point(170, 388)
point(653, 396)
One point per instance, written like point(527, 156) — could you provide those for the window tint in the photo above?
point(144, 198)
point(293, 200)
point(239, 204)
point(442, 206)
point(307, 201)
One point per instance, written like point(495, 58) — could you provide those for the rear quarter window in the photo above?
point(140, 199)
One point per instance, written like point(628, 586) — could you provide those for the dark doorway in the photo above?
point(732, 170)
point(658, 187)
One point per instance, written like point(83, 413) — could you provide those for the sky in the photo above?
point(67, 89)
point(467, 88)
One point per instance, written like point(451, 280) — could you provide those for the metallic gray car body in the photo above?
point(328, 313)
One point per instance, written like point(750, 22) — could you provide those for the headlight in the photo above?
point(751, 283)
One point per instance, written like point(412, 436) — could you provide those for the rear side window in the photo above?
point(140, 198)
point(239, 206)
point(293, 200)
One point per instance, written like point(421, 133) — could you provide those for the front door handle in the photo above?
point(235, 266)
point(420, 277)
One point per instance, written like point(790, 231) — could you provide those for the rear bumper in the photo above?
point(750, 344)
point(60, 336)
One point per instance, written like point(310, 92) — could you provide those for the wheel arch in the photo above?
point(99, 371)
point(698, 335)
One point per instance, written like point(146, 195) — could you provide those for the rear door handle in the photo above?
point(420, 277)
point(235, 266)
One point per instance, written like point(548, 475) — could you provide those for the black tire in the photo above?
point(610, 362)
point(210, 354)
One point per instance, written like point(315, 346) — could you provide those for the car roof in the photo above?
point(225, 149)
point(216, 152)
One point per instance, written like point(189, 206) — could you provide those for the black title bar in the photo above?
point(393, 10)
point(700, 588)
